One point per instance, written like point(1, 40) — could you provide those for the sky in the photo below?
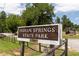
point(71, 10)
point(13, 8)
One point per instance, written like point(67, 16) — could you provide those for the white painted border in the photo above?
point(52, 42)
point(23, 39)
point(39, 25)
point(48, 42)
point(59, 33)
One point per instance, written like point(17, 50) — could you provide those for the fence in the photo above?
point(8, 37)
point(51, 52)
point(53, 49)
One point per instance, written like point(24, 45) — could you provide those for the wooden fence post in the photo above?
point(39, 47)
point(66, 47)
point(53, 46)
point(22, 48)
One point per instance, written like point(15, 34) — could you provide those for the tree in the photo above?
point(66, 23)
point(2, 21)
point(38, 13)
point(3, 15)
point(58, 20)
point(76, 27)
point(13, 21)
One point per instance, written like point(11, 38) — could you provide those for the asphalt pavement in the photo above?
point(74, 44)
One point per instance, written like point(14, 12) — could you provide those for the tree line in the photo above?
point(35, 14)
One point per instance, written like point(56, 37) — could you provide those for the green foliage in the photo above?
point(2, 21)
point(58, 20)
point(76, 27)
point(3, 15)
point(38, 13)
point(13, 21)
point(35, 14)
point(66, 23)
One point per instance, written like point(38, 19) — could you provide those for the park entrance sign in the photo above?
point(46, 34)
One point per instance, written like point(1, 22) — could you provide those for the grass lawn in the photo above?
point(8, 48)
point(70, 53)
point(6, 45)
point(73, 54)
point(71, 36)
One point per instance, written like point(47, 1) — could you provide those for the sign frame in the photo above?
point(52, 42)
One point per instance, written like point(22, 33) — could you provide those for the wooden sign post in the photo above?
point(22, 48)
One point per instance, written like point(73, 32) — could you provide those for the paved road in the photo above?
point(74, 44)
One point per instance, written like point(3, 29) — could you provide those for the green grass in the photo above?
point(70, 53)
point(73, 54)
point(71, 36)
point(34, 53)
point(6, 45)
